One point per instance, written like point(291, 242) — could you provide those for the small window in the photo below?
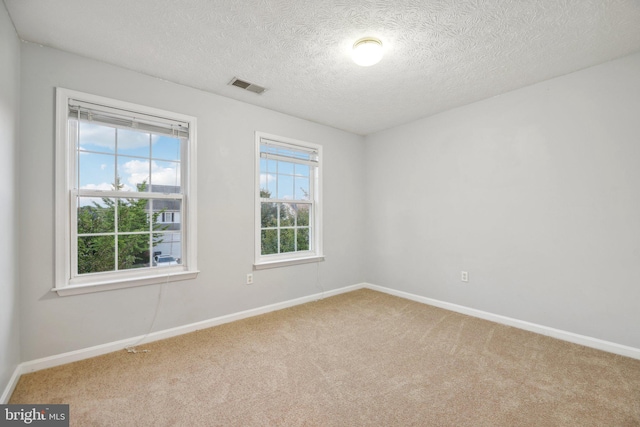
point(288, 209)
point(125, 173)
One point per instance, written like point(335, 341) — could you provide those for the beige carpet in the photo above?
point(357, 359)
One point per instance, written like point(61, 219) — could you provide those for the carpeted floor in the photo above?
point(359, 359)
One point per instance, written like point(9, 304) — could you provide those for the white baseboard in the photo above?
point(13, 381)
point(74, 356)
point(520, 324)
point(85, 353)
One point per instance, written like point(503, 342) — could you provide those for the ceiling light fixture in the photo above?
point(367, 51)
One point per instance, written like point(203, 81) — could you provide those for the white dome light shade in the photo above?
point(367, 51)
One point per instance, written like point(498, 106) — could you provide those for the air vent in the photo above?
point(246, 85)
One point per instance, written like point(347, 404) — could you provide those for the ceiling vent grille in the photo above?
point(242, 84)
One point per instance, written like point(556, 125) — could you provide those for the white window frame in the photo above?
point(315, 252)
point(67, 282)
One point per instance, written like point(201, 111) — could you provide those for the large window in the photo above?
point(125, 194)
point(288, 214)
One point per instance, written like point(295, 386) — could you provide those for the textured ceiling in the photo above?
point(439, 54)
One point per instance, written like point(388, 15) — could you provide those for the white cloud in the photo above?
point(163, 175)
point(102, 187)
point(130, 139)
point(104, 136)
point(264, 179)
point(94, 134)
point(135, 172)
point(106, 186)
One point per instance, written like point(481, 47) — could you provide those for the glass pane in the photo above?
point(285, 187)
point(269, 215)
point(133, 251)
point(302, 239)
point(167, 249)
point(272, 185)
point(272, 166)
point(165, 177)
point(269, 242)
point(302, 188)
point(287, 215)
point(97, 138)
point(287, 240)
point(96, 254)
point(95, 215)
point(133, 215)
point(165, 147)
point(97, 171)
point(134, 143)
point(303, 215)
point(302, 170)
point(167, 215)
point(285, 168)
point(264, 185)
point(133, 173)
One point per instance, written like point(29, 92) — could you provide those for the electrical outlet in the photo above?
point(249, 279)
point(464, 276)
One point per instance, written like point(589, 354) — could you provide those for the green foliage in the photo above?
point(98, 253)
point(292, 219)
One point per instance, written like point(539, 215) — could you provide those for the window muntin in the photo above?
point(128, 168)
point(288, 199)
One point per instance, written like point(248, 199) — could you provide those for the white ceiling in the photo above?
point(439, 54)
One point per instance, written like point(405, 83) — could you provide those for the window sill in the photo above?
point(286, 262)
point(111, 284)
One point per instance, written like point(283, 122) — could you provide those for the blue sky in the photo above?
point(139, 157)
point(284, 180)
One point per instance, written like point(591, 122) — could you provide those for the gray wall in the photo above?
point(9, 108)
point(53, 325)
point(535, 193)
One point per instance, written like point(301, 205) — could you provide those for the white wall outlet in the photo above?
point(464, 276)
point(249, 279)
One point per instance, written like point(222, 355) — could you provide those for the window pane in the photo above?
point(264, 186)
point(303, 214)
point(287, 215)
point(165, 147)
point(291, 229)
point(285, 187)
point(133, 251)
point(133, 173)
point(302, 188)
point(269, 242)
point(272, 185)
point(95, 215)
point(98, 138)
point(287, 240)
point(302, 170)
point(134, 143)
point(166, 175)
point(167, 215)
point(285, 168)
point(302, 239)
point(167, 249)
point(97, 171)
point(96, 254)
point(269, 215)
point(133, 215)
point(272, 166)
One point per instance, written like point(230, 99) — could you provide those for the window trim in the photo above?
point(289, 258)
point(65, 283)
